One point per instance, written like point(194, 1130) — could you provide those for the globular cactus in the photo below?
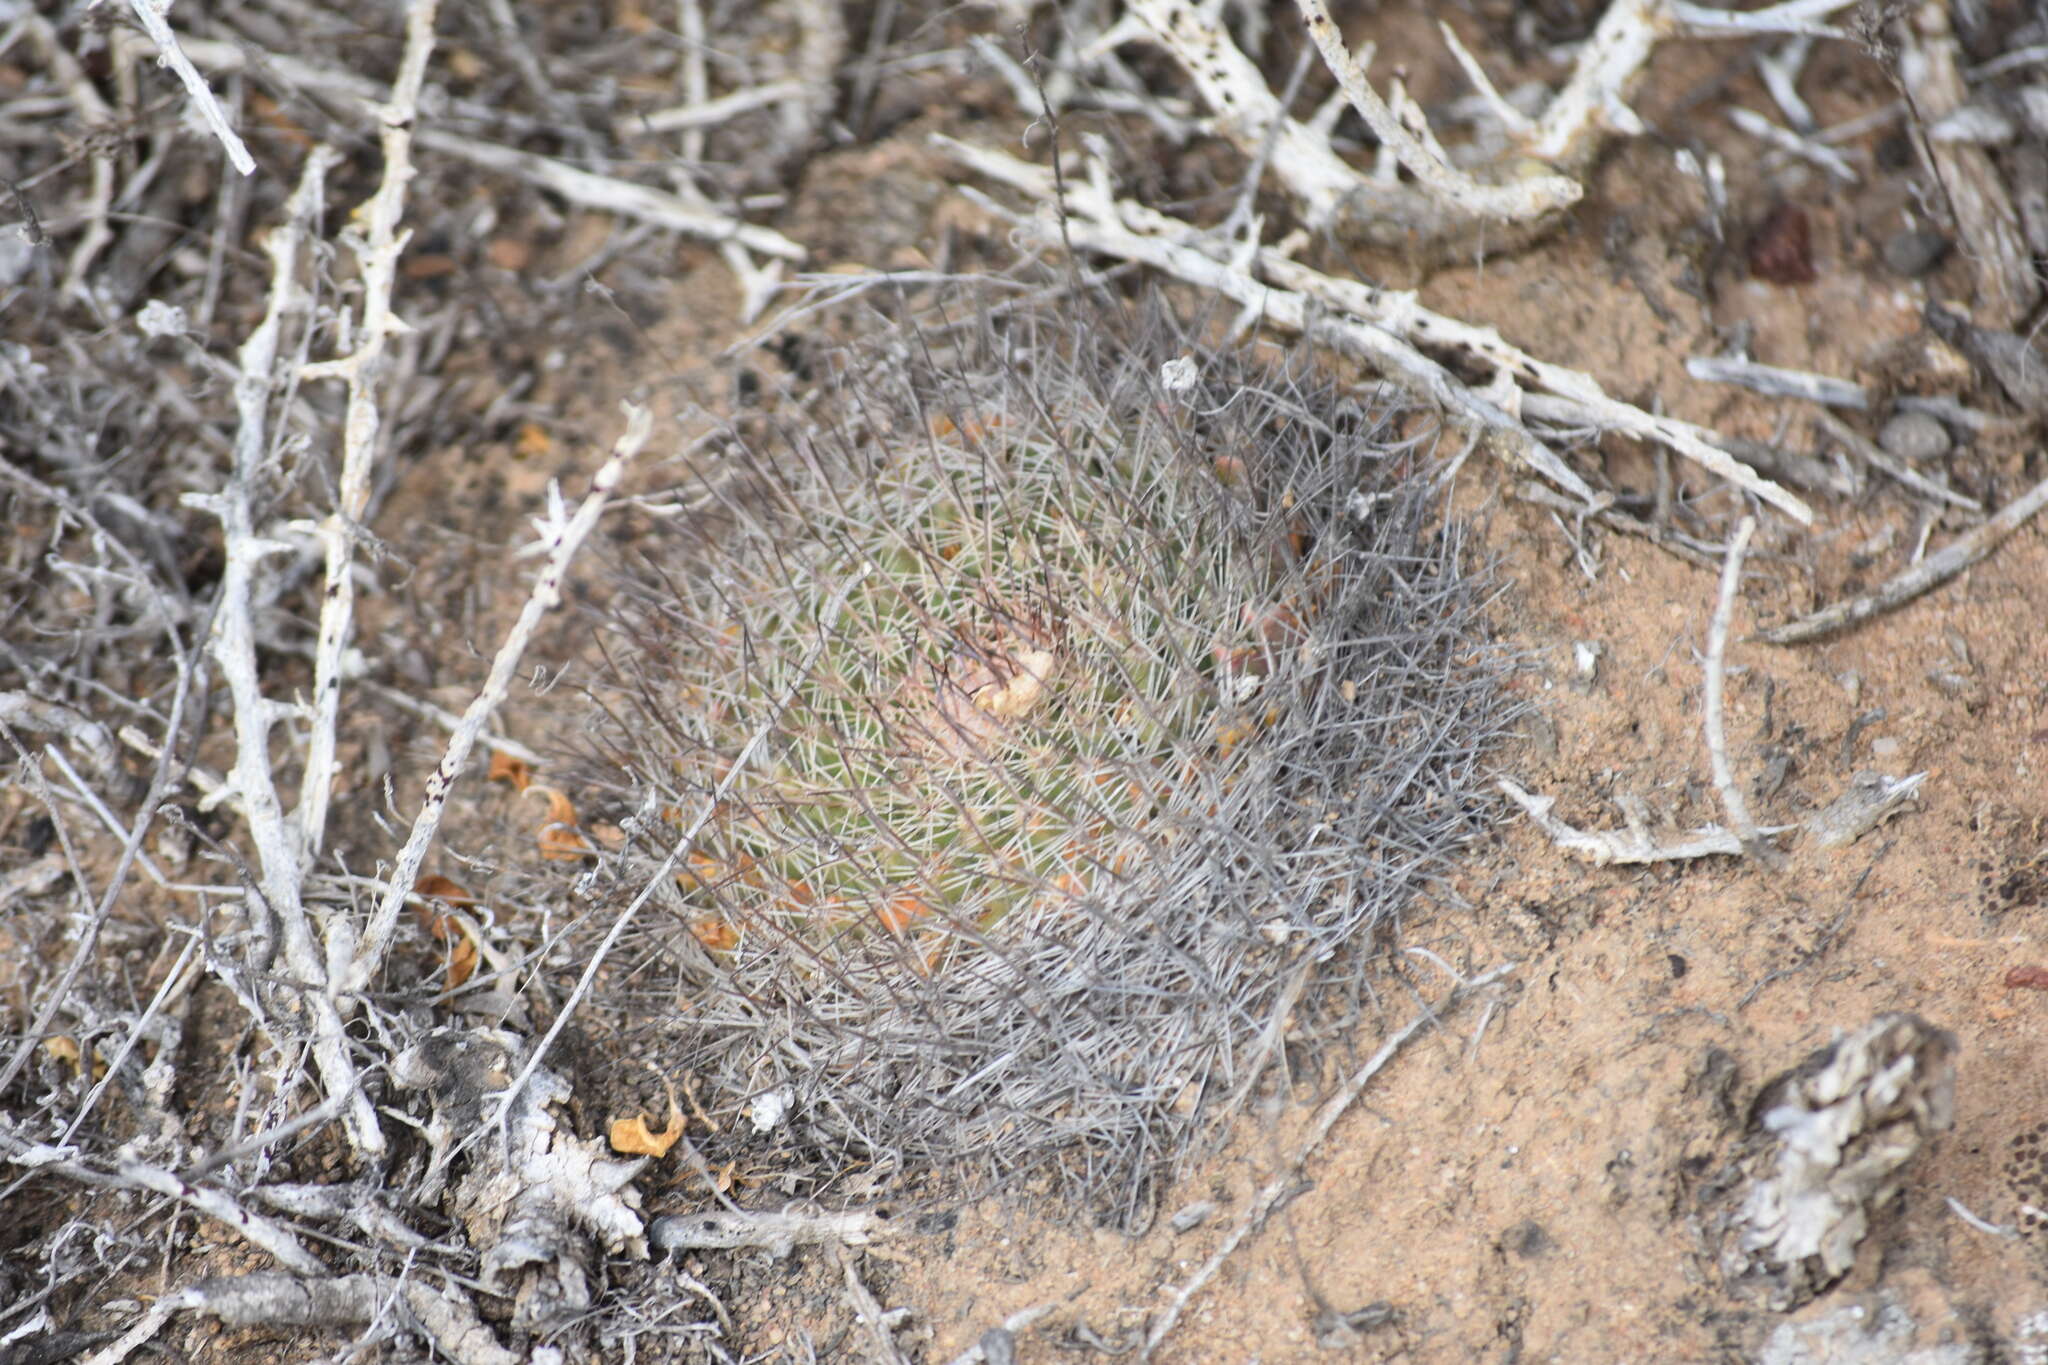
point(1103, 719)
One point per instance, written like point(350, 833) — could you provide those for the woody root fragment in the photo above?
point(1509, 183)
point(1385, 329)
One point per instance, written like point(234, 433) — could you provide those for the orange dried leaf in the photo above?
point(505, 768)
point(969, 428)
point(559, 839)
point(900, 913)
point(441, 888)
point(560, 844)
point(707, 873)
point(715, 934)
point(462, 954)
point(633, 1138)
point(533, 442)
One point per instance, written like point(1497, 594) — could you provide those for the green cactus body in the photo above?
point(1094, 715)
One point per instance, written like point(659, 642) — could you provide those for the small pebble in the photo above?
point(998, 1346)
point(1914, 436)
point(1913, 253)
point(1585, 664)
point(1193, 1216)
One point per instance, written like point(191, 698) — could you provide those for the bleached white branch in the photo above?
point(1385, 327)
point(250, 782)
point(1972, 186)
point(92, 112)
point(1515, 201)
point(1444, 201)
point(1790, 16)
point(278, 1301)
point(1230, 83)
point(154, 15)
point(1097, 228)
point(220, 1206)
point(1517, 124)
point(1717, 668)
point(23, 712)
point(1777, 381)
point(1632, 845)
point(377, 251)
point(774, 1231)
point(589, 190)
point(1939, 567)
point(1785, 140)
point(561, 547)
point(706, 113)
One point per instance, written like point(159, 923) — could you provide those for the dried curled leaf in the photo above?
point(632, 1137)
point(715, 934)
point(505, 768)
point(559, 839)
point(453, 930)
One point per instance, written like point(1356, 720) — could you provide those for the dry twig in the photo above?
point(377, 252)
point(1937, 568)
point(156, 24)
point(1446, 203)
point(1930, 67)
point(562, 535)
point(1333, 1109)
point(1717, 650)
point(273, 1300)
point(775, 1231)
point(612, 195)
point(1384, 327)
point(1604, 848)
point(250, 783)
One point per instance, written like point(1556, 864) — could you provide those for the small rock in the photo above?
point(1914, 436)
point(1914, 252)
point(1193, 1216)
point(1585, 664)
point(998, 1346)
point(1528, 1240)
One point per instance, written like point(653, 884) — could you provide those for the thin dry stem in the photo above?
point(1716, 668)
point(1958, 555)
point(157, 26)
point(1382, 326)
point(250, 782)
point(1605, 848)
point(1332, 1110)
point(610, 195)
point(561, 537)
point(377, 251)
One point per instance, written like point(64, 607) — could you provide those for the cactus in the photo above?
point(1099, 718)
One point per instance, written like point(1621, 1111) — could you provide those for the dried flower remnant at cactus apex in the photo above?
point(1100, 711)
